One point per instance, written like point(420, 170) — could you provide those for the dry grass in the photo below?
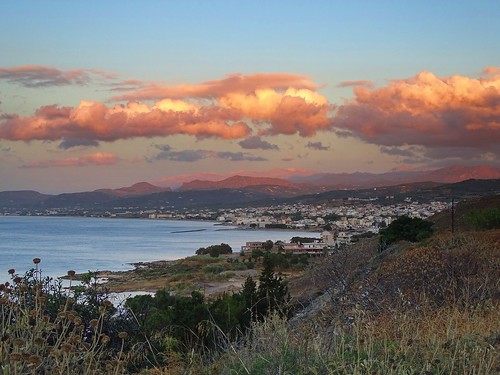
point(428, 309)
point(447, 341)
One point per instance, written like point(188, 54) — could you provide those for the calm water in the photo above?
point(90, 244)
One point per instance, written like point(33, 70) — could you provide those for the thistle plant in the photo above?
point(35, 339)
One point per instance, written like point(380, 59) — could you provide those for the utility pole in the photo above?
point(452, 216)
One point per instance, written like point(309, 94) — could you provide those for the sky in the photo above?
point(105, 94)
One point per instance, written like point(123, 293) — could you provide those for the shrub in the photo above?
point(239, 266)
point(405, 229)
point(215, 250)
point(214, 268)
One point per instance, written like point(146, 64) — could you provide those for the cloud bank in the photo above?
point(167, 153)
point(441, 115)
point(230, 108)
point(426, 110)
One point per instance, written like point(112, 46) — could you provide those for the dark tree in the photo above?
point(405, 229)
point(250, 296)
point(272, 292)
point(215, 250)
point(268, 245)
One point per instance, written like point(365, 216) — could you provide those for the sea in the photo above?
point(96, 244)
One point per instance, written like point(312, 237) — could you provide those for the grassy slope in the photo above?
point(429, 308)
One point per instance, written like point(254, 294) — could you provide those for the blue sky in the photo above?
point(366, 45)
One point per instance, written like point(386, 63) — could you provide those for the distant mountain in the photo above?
point(358, 180)
point(85, 200)
point(21, 199)
point(234, 182)
point(252, 191)
point(141, 188)
point(459, 173)
point(416, 191)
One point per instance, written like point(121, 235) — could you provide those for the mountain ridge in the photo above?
point(246, 190)
point(234, 182)
point(137, 189)
point(455, 173)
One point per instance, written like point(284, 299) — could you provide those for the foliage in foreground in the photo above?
point(47, 330)
point(448, 341)
point(183, 324)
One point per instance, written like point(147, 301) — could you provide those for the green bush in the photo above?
point(239, 266)
point(215, 250)
point(405, 229)
point(214, 268)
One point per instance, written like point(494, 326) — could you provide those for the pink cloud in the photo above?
point(364, 83)
point(42, 76)
point(425, 110)
point(237, 82)
point(95, 121)
point(231, 108)
point(491, 71)
point(297, 115)
point(96, 159)
point(127, 85)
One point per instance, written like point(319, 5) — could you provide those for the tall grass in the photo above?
point(448, 341)
point(429, 310)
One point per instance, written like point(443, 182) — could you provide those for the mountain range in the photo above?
point(451, 174)
point(244, 190)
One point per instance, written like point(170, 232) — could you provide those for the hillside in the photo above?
point(21, 199)
point(456, 182)
point(410, 296)
point(234, 182)
point(140, 188)
point(415, 308)
point(145, 196)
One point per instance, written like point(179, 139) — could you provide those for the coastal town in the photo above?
point(340, 223)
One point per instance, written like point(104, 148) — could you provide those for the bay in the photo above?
point(90, 244)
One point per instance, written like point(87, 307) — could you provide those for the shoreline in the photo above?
point(149, 277)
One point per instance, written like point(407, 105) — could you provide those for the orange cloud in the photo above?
point(491, 71)
point(426, 110)
point(95, 121)
point(96, 159)
point(281, 103)
point(228, 108)
point(239, 83)
point(293, 111)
